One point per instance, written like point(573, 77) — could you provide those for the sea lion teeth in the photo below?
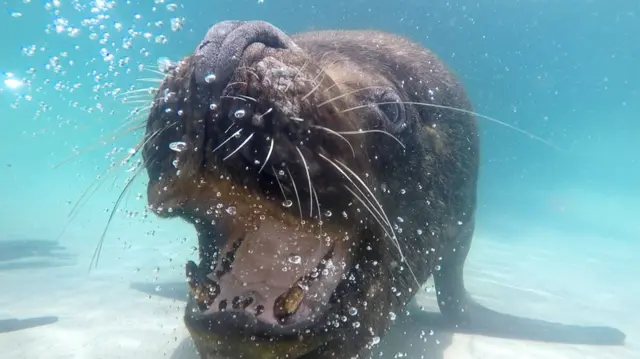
point(289, 302)
point(203, 289)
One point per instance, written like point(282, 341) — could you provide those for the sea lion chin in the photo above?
point(329, 175)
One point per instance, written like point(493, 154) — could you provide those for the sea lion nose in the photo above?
point(221, 51)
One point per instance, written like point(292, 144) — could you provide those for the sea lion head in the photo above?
point(255, 141)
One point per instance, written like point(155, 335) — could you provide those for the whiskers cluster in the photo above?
point(144, 100)
point(147, 97)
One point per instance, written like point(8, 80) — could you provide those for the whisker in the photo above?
point(266, 112)
point(234, 98)
point(155, 71)
point(239, 147)
point(312, 91)
point(249, 70)
point(227, 140)
point(306, 168)
point(77, 205)
point(361, 132)
point(347, 94)
point(328, 130)
point(149, 90)
point(394, 238)
point(295, 190)
point(146, 96)
point(373, 196)
point(319, 211)
point(268, 155)
point(512, 127)
point(318, 204)
point(295, 76)
point(384, 228)
point(127, 101)
point(101, 143)
point(248, 98)
point(356, 187)
point(96, 253)
point(230, 127)
point(298, 119)
point(150, 80)
point(237, 83)
point(279, 184)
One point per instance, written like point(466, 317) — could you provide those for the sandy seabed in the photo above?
point(132, 305)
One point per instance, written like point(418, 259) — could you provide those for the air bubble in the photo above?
point(353, 311)
point(209, 78)
point(295, 259)
point(240, 113)
point(177, 24)
point(231, 210)
point(178, 146)
point(392, 315)
point(287, 203)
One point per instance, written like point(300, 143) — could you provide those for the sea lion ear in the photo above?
point(221, 51)
point(389, 104)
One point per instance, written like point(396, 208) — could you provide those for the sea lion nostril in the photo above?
point(259, 309)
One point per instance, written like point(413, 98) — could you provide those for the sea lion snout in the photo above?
point(221, 50)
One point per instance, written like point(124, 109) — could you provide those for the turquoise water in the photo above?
point(566, 72)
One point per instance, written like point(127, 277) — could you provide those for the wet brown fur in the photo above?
point(430, 185)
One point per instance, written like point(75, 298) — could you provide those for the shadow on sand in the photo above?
point(409, 336)
point(13, 324)
point(18, 254)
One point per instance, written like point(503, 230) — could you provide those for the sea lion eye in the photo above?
point(390, 105)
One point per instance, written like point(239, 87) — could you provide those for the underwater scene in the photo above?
point(319, 179)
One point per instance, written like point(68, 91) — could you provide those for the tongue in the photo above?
point(274, 255)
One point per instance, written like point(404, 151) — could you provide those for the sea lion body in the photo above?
point(329, 175)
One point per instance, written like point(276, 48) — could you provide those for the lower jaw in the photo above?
point(219, 341)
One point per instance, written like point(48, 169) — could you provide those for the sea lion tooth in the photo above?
point(226, 263)
point(222, 306)
point(289, 302)
point(235, 302)
point(246, 302)
point(203, 289)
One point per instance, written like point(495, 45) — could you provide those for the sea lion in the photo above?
point(329, 175)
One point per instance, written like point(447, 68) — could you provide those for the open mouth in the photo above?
point(271, 277)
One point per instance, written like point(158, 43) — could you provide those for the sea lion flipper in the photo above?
point(468, 316)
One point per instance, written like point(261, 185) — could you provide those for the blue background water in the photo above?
point(566, 71)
